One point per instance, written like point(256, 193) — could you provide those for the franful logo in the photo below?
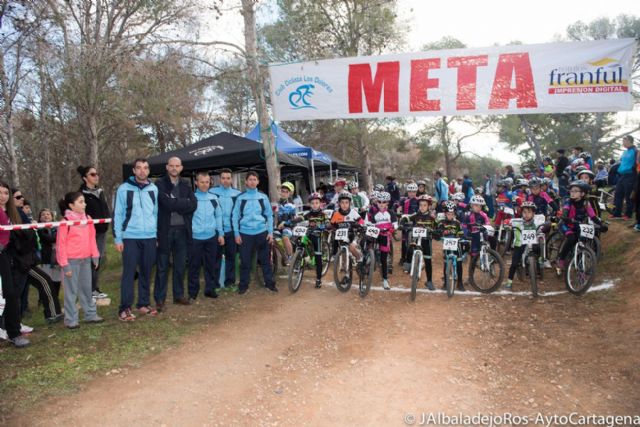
point(603, 75)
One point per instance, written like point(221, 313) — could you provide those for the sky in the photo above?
point(475, 23)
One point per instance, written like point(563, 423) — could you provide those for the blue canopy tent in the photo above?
point(286, 144)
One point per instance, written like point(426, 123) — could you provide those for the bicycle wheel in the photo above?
point(415, 272)
point(486, 275)
point(341, 276)
point(554, 244)
point(368, 268)
point(296, 271)
point(608, 199)
point(595, 246)
point(326, 256)
point(581, 270)
point(450, 275)
point(502, 246)
point(532, 265)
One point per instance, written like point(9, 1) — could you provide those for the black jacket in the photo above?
point(47, 238)
point(185, 205)
point(97, 207)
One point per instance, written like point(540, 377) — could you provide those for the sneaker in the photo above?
point(385, 284)
point(508, 285)
point(547, 264)
point(318, 283)
point(192, 301)
point(231, 288)
point(20, 342)
point(96, 319)
point(126, 315)
point(181, 301)
point(3, 335)
point(461, 287)
point(272, 287)
point(146, 309)
point(97, 294)
point(626, 218)
point(24, 329)
point(160, 307)
point(406, 267)
point(212, 294)
point(54, 319)
point(636, 227)
point(429, 285)
point(243, 291)
point(74, 326)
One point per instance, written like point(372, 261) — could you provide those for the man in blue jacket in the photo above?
point(207, 234)
point(226, 197)
point(135, 220)
point(176, 203)
point(252, 221)
point(626, 179)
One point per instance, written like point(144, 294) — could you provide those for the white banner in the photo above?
point(589, 76)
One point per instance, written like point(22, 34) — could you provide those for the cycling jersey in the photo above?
point(575, 212)
point(517, 231)
point(423, 220)
point(542, 201)
point(315, 218)
point(450, 228)
point(409, 205)
point(350, 216)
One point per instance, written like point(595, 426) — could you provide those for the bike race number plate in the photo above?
point(538, 220)
point(602, 206)
point(449, 244)
point(440, 216)
point(299, 231)
point(587, 231)
point(342, 234)
point(508, 211)
point(373, 232)
point(529, 237)
point(419, 232)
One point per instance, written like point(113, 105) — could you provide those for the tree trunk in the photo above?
point(7, 124)
point(258, 85)
point(531, 138)
point(42, 134)
point(365, 157)
point(94, 156)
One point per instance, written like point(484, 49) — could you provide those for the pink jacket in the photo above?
point(76, 241)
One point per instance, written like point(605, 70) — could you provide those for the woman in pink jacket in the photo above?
point(77, 253)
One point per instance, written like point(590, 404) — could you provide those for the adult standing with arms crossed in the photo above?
point(135, 222)
point(253, 229)
point(176, 204)
point(226, 197)
point(97, 208)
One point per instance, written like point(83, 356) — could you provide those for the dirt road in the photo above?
point(324, 358)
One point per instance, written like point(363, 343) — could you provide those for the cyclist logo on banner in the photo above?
point(299, 98)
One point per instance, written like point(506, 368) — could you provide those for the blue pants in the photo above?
point(230, 249)
point(177, 250)
point(254, 244)
point(202, 253)
point(624, 188)
point(140, 255)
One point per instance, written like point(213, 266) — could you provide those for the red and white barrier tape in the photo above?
point(38, 225)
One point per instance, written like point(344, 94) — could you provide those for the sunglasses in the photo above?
point(19, 197)
point(94, 174)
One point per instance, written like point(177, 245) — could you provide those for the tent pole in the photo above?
point(330, 171)
point(313, 176)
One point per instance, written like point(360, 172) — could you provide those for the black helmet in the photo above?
point(583, 186)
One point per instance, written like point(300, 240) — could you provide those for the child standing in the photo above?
point(423, 218)
point(528, 212)
point(386, 221)
point(76, 252)
point(451, 227)
point(317, 221)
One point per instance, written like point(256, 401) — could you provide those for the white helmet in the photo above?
point(383, 196)
point(477, 200)
point(412, 187)
point(458, 197)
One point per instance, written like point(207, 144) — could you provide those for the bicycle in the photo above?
point(304, 254)
point(366, 267)
point(605, 200)
point(488, 263)
point(417, 259)
point(343, 262)
point(504, 239)
point(453, 254)
point(533, 256)
point(582, 268)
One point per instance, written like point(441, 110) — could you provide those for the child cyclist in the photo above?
point(423, 218)
point(528, 212)
point(317, 220)
point(408, 206)
point(587, 176)
point(387, 221)
point(475, 218)
point(451, 227)
point(540, 198)
point(344, 217)
point(576, 210)
point(286, 214)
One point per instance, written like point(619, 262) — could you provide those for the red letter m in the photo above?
point(387, 75)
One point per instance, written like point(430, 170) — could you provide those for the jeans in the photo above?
point(254, 244)
point(624, 188)
point(177, 250)
point(138, 254)
point(202, 253)
point(229, 250)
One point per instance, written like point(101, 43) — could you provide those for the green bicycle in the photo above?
point(303, 254)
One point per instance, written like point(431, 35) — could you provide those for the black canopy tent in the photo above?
point(224, 150)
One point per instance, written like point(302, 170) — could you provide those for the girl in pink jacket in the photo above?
point(77, 254)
